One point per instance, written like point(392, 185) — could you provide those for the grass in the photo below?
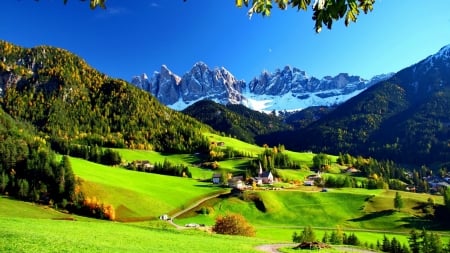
point(129, 155)
point(44, 235)
point(237, 145)
point(138, 195)
point(350, 208)
point(18, 209)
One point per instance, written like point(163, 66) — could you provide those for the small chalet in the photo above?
point(142, 165)
point(314, 177)
point(352, 170)
point(236, 182)
point(216, 178)
point(308, 183)
point(257, 180)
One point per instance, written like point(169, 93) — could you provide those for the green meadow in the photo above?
point(46, 235)
point(138, 195)
point(355, 209)
point(139, 198)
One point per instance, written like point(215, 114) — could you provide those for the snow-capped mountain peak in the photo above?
point(289, 88)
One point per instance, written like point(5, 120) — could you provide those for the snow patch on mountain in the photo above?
point(284, 89)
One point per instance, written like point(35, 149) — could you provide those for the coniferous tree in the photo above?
point(307, 235)
point(414, 241)
point(426, 242)
point(398, 201)
point(386, 244)
point(325, 238)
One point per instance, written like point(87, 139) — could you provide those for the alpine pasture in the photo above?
point(139, 198)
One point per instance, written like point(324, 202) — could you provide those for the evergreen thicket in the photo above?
point(29, 169)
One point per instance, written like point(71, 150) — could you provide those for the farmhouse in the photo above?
point(141, 165)
point(216, 178)
point(314, 177)
point(236, 182)
point(308, 182)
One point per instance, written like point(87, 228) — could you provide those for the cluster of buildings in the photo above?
point(238, 182)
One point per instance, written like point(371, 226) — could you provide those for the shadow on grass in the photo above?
point(373, 215)
point(206, 186)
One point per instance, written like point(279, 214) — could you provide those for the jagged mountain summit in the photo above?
point(285, 89)
point(404, 118)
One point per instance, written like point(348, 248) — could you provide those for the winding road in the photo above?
point(192, 206)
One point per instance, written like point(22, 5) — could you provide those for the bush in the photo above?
point(233, 224)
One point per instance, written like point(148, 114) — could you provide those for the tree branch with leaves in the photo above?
point(325, 12)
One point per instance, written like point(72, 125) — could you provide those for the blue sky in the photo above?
point(132, 37)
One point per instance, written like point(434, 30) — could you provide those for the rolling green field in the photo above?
point(138, 195)
point(27, 227)
point(139, 198)
point(45, 235)
point(349, 208)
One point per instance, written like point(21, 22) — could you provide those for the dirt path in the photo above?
point(194, 205)
point(273, 248)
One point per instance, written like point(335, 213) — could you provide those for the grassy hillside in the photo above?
point(349, 208)
point(32, 235)
point(10, 208)
point(138, 195)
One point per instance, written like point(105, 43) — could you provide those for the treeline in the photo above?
point(272, 159)
point(237, 121)
point(164, 168)
point(418, 242)
point(66, 99)
point(388, 174)
point(30, 171)
point(94, 153)
point(218, 151)
point(28, 167)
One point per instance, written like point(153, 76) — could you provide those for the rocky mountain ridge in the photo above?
point(285, 89)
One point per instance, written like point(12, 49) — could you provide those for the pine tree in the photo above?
point(4, 179)
point(307, 235)
point(398, 201)
point(386, 245)
point(413, 240)
point(325, 238)
point(426, 242)
point(435, 243)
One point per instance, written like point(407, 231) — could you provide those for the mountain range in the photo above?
point(404, 117)
point(287, 89)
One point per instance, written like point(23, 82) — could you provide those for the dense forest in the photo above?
point(70, 102)
point(236, 120)
point(29, 169)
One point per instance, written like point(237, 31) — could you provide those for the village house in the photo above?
point(141, 165)
point(308, 183)
point(310, 180)
point(236, 182)
point(216, 178)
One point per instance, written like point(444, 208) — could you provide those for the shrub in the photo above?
point(233, 224)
